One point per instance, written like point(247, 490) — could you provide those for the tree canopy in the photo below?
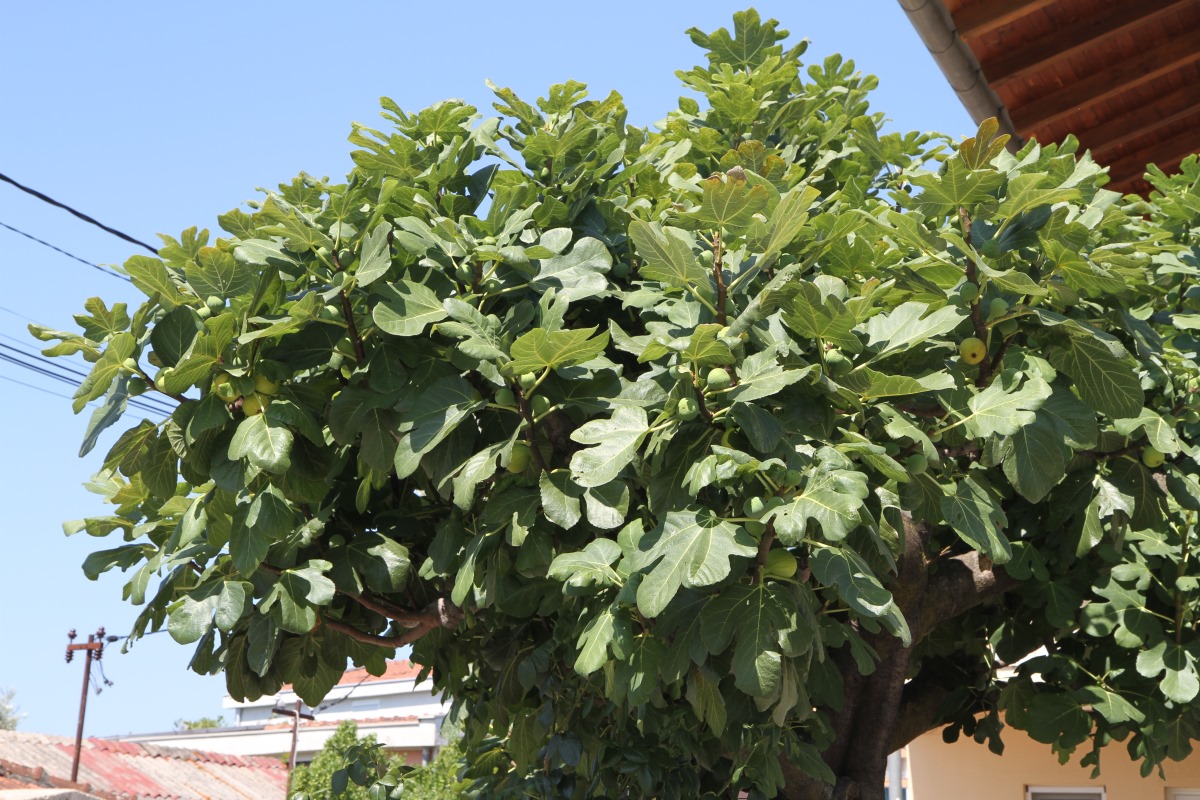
point(729, 455)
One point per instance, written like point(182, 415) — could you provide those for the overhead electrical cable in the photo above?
point(37, 388)
point(64, 252)
point(147, 405)
point(17, 314)
point(144, 402)
point(79, 214)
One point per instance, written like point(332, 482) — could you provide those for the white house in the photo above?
point(405, 716)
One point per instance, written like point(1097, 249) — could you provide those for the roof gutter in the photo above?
point(935, 26)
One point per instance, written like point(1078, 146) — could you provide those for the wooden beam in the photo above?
point(1167, 154)
point(1135, 71)
point(1080, 35)
point(1141, 120)
point(1105, 156)
point(986, 16)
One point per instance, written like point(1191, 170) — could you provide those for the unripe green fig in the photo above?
point(254, 404)
point(345, 256)
point(792, 477)
point(892, 449)
point(916, 463)
point(1152, 457)
point(972, 350)
point(505, 397)
point(492, 285)
point(754, 506)
point(136, 386)
point(969, 292)
point(1008, 327)
point(264, 385)
point(153, 358)
point(836, 363)
point(687, 408)
point(224, 388)
point(755, 528)
point(520, 458)
point(718, 379)
point(541, 404)
point(464, 273)
point(997, 308)
point(621, 270)
point(488, 241)
point(215, 304)
point(780, 564)
point(129, 365)
point(527, 380)
point(544, 173)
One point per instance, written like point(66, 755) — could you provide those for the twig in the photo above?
point(929, 413)
point(764, 547)
point(1109, 455)
point(718, 257)
point(703, 406)
point(360, 353)
point(348, 313)
point(530, 430)
point(986, 366)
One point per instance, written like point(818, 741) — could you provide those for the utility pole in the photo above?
point(296, 716)
point(95, 645)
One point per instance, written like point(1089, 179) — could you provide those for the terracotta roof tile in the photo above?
point(399, 670)
point(129, 771)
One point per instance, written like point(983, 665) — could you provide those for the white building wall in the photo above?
point(365, 703)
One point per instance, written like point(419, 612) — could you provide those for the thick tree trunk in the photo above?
point(885, 710)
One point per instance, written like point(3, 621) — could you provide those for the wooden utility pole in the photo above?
point(94, 649)
point(296, 716)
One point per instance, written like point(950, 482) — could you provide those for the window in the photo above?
point(1183, 794)
point(1065, 793)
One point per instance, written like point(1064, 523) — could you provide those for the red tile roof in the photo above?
point(396, 671)
point(129, 771)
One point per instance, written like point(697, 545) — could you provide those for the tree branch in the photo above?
point(408, 637)
point(402, 616)
point(961, 583)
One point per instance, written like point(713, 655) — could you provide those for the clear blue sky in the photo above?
point(159, 116)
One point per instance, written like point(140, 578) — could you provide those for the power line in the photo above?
point(18, 314)
point(44, 390)
point(65, 253)
point(143, 402)
point(79, 214)
point(31, 386)
point(137, 403)
point(57, 365)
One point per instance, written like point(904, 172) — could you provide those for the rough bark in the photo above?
point(884, 710)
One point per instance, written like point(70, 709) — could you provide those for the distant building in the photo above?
point(405, 716)
point(35, 767)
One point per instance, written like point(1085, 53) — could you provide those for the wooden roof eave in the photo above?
point(954, 58)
